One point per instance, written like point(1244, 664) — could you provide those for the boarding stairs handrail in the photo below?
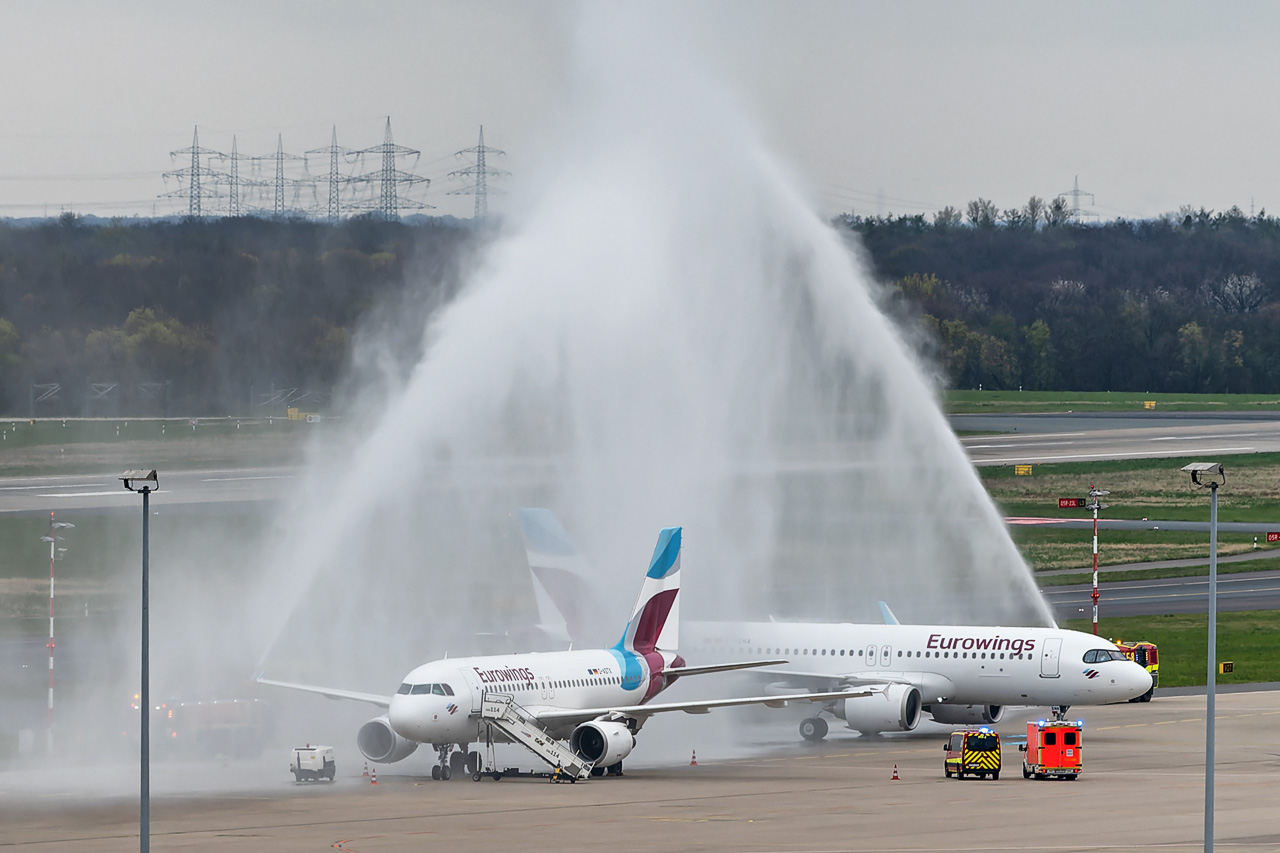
point(502, 712)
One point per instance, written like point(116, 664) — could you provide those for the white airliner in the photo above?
point(597, 699)
point(957, 674)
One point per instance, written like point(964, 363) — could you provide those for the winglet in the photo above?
point(889, 618)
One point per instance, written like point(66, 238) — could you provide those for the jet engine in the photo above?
point(960, 715)
point(891, 708)
point(602, 741)
point(380, 743)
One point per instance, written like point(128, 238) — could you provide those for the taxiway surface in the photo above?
point(1142, 789)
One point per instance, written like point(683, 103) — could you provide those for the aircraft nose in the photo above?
point(1138, 680)
point(404, 715)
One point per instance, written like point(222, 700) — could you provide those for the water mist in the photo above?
point(664, 334)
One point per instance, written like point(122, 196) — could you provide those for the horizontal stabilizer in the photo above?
point(721, 667)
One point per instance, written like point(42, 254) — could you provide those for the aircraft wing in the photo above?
point(849, 678)
point(556, 716)
point(332, 692)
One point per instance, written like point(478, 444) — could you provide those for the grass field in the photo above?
point(55, 445)
point(987, 402)
point(1249, 639)
point(1141, 488)
point(1269, 564)
point(1056, 548)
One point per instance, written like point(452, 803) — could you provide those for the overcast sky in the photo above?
point(881, 107)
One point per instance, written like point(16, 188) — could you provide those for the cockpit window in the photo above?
point(419, 689)
point(404, 689)
point(437, 689)
point(448, 691)
point(1100, 655)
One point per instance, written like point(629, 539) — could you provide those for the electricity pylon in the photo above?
point(479, 172)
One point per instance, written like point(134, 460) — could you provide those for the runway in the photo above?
point(1248, 591)
point(1141, 789)
point(177, 488)
point(1089, 437)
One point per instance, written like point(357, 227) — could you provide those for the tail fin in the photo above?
point(561, 584)
point(655, 621)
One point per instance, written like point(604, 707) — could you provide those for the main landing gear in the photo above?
point(459, 762)
point(813, 728)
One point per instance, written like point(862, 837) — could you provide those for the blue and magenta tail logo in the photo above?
point(644, 631)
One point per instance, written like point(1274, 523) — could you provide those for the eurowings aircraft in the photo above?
point(956, 674)
point(598, 699)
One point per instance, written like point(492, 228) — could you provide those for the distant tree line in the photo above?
point(217, 313)
point(1025, 297)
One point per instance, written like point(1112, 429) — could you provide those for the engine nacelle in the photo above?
point(602, 742)
point(378, 742)
point(963, 715)
point(894, 708)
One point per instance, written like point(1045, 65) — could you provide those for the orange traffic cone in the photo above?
point(374, 779)
point(366, 770)
point(693, 762)
point(895, 774)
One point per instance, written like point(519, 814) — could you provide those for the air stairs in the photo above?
point(500, 711)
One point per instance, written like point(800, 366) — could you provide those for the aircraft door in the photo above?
point(1049, 657)
point(476, 688)
point(886, 653)
point(871, 656)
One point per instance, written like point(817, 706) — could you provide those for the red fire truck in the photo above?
point(1052, 750)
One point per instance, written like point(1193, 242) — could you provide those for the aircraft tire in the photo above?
point(435, 773)
point(813, 728)
point(445, 774)
point(457, 763)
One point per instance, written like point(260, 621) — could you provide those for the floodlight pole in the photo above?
point(1213, 477)
point(1211, 682)
point(145, 482)
point(144, 819)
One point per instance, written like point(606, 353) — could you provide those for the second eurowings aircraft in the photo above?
point(597, 699)
point(957, 674)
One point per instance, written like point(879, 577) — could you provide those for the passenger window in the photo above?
point(1050, 738)
point(842, 653)
point(899, 652)
point(824, 652)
